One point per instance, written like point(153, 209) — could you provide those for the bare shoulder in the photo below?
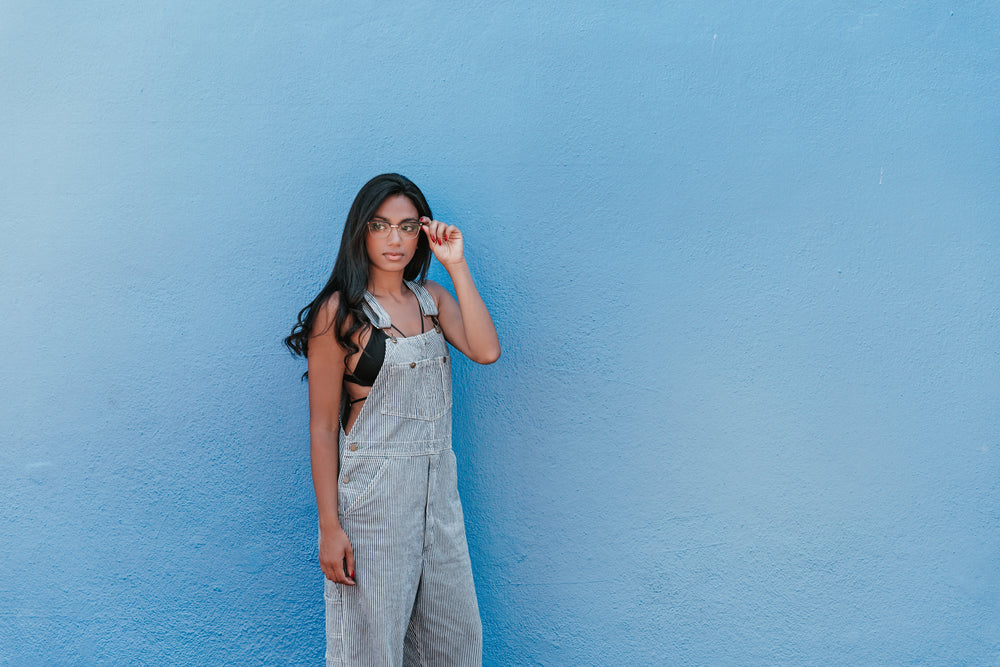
point(326, 315)
point(437, 291)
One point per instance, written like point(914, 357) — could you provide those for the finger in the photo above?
point(349, 557)
point(435, 228)
point(335, 572)
point(438, 229)
point(428, 226)
point(447, 232)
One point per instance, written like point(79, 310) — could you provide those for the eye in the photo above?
point(409, 228)
point(377, 226)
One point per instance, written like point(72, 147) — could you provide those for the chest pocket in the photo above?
point(418, 389)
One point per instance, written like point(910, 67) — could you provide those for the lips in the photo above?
point(393, 256)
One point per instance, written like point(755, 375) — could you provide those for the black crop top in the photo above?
point(371, 358)
point(370, 361)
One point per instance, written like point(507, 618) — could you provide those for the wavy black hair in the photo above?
point(350, 272)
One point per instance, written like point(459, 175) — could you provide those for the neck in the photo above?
point(385, 283)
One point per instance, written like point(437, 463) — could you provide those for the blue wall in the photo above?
point(745, 263)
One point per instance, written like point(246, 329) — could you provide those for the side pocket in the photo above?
point(359, 476)
point(334, 623)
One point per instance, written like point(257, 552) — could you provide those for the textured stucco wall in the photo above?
point(744, 262)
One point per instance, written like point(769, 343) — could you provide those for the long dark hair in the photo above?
point(350, 272)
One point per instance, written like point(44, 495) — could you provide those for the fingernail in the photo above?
point(352, 574)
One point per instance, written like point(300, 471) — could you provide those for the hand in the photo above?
point(336, 556)
point(446, 241)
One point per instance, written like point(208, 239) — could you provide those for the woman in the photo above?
point(392, 545)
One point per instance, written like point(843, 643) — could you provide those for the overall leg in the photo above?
point(445, 628)
point(386, 532)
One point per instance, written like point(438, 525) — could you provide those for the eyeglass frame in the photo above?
point(390, 226)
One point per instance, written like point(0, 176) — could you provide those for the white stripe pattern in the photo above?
point(415, 600)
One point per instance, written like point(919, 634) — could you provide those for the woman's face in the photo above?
point(393, 252)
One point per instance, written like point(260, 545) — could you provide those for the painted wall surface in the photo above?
point(745, 263)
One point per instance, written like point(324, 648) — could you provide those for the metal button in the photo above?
point(353, 447)
point(413, 364)
point(346, 479)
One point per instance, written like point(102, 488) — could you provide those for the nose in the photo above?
point(394, 232)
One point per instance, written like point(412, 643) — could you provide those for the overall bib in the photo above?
point(414, 602)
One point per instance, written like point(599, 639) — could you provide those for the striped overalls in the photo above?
point(415, 601)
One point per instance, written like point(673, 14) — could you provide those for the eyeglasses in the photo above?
point(380, 229)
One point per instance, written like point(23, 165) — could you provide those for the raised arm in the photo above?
point(466, 323)
point(326, 377)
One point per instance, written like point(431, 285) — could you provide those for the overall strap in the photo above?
point(375, 312)
point(424, 298)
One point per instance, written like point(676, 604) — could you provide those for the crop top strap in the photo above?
point(424, 298)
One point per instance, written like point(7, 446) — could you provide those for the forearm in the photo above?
point(480, 332)
point(324, 458)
